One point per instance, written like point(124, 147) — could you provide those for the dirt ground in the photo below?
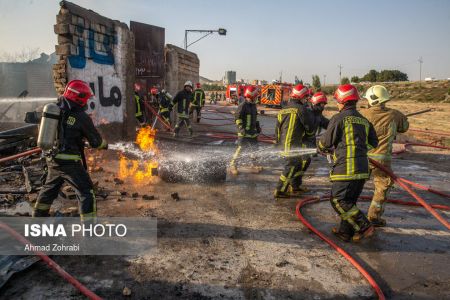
point(232, 240)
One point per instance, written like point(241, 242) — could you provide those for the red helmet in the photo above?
point(78, 91)
point(198, 85)
point(345, 93)
point(318, 97)
point(154, 91)
point(251, 92)
point(137, 87)
point(299, 91)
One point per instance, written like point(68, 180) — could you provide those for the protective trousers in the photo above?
point(382, 183)
point(246, 146)
point(293, 173)
point(344, 195)
point(198, 109)
point(183, 120)
point(72, 172)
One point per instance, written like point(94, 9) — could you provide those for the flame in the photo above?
point(146, 139)
point(141, 170)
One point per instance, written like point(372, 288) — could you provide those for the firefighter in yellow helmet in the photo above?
point(387, 123)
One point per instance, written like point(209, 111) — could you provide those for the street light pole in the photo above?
point(220, 31)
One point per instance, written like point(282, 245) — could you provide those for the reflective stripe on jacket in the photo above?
point(351, 136)
point(246, 117)
point(387, 123)
point(291, 127)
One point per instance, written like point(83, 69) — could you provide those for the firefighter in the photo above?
point(198, 102)
point(248, 129)
point(65, 161)
point(183, 99)
point(387, 123)
point(140, 116)
point(349, 136)
point(212, 98)
point(165, 105)
point(292, 124)
point(315, 107)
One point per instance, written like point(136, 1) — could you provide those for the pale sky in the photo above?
point(266, 37)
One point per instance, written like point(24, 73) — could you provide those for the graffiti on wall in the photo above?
point(95, 62)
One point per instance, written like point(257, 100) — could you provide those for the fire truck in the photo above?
point(234, 91)
point(275, 95)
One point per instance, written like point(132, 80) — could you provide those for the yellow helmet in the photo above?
point(377, 94)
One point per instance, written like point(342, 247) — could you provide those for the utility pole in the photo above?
point(324, 79)
point(220, 31)
point(420, 72)
point(340, 73)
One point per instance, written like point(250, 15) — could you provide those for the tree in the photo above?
point(316, 82)
point(385, 75)
point(345, 80)
point(22, 56)
point(355, 79)
point(371, 76)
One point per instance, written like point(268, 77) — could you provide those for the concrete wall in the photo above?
point(33, 76)
point(181, 65)
point(99, 51)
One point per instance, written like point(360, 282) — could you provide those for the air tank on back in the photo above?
point(49, 126)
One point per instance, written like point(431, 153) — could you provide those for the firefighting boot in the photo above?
point(298, 191)
point(279, 194)
point(378, 222)
point(364, 233)
point(346, 237)
point(234, 171)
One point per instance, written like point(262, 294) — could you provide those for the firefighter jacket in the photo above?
point(165, 102)
point(199, 98)
point(245, 117)
point(183, 99)
point(139, 105)
point(74, 127)
point(318, 121)
point(293, 122)
point(387, 122)
point(351, 136)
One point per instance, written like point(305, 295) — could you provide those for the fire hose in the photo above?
point(52, 264)
point(155, 113)
point(341, 251)
point(400, 181)
point(19, 155)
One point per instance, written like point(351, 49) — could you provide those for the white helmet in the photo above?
point(189, 83)
point(377, 94)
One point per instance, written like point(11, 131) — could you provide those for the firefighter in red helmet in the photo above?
point(65, 161)
point(198, 101)
point(248, 129)
point(292, 124)
point(349, 136)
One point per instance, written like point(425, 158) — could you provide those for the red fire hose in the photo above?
point(344, 253)
point(16, 156)
point(154, 112)
point(402, 183)
point(52, 264)
point(404, 146)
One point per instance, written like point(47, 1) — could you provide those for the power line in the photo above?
point(420, 72)
point(340, 72)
